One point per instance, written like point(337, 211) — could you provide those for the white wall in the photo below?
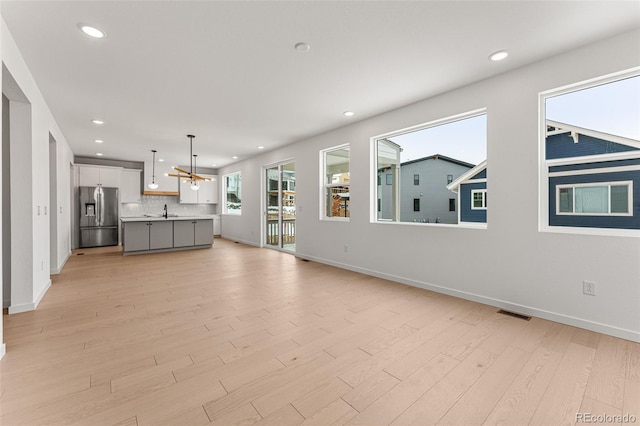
point(64, 158)
point(510, 264)
point(2, 345)
point(33, 255)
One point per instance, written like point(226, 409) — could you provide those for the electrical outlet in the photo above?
point(346, 248)
point(589, 288)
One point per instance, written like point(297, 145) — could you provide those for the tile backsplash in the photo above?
point(154, 204)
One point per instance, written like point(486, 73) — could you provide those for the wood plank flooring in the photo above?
point(236, 335)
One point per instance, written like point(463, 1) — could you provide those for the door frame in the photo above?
point(264, 202)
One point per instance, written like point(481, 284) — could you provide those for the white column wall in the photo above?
point(510, 264)
point(2, 345)
point(31, 290)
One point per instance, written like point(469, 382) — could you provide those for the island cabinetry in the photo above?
point(155, 235)
point(192, 233)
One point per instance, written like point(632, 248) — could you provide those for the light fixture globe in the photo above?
point(194, 186)
point(153, 185)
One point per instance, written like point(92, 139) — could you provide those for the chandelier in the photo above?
point(190, 176)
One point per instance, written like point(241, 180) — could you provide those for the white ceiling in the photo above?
point(228, 72)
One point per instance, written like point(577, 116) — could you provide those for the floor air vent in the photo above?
point(515, 315)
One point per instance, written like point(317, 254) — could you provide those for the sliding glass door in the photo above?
point(280, 204)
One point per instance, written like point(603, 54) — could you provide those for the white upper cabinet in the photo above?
point(130, 186)
point(108, 177)
point(207, 194)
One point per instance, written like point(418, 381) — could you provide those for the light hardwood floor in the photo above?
point(241, 335)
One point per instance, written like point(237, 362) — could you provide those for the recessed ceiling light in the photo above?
point(161, 160)
point(348, 113)
point(92, 31)
point(98, 141)
point(99, 154)
point(235, 157)
point(499, 55)
point(213, 165)
point(98, 122)
point(260, 147)
point(302, 47)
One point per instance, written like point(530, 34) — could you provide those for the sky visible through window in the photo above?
point(464, 140)
point(612, 108)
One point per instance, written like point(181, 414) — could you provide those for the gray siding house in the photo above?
point(424, 196)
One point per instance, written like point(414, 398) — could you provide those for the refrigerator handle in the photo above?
point(100, 205)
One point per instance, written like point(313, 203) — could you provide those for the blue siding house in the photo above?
point(593, 178)
point(471, 188)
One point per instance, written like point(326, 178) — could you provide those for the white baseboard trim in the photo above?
point(237, 240)
point(56, 271)
point(26, 307)
point(622, 333)
point(3, 350)
point(41, 295)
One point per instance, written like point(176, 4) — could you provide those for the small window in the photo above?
point(595, 199)
point(452, 204)
point(449, 179)
point(379, 203)
point(416, 179)
point(389, 179)
point(479, 199)
point(379, 180)
point(336, 182)
point(233, 193)
point(416, 204)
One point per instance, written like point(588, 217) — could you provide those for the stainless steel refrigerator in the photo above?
point(98, 216)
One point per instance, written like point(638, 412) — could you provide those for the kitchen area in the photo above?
point(116, 207)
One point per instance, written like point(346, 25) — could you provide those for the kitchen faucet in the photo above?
point(165, 212)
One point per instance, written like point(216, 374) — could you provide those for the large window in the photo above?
point(590, 151)
point(609, 198)
point(232, 193)
point(414, 166)
point(335, 182)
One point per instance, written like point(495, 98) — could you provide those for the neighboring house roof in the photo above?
point(439, 157)
point(576, 130)
point(453, 186)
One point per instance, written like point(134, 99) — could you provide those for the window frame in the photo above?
point(416, 203)
point(544, 173)
point(416, 179)
point(484, 199)
point(375, 206)
point(324, 186)
point(225, 208)
point(609, 184)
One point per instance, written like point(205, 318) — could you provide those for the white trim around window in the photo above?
point(483, 199)
point(335, 184)
point(232, 196)
point(571, 191)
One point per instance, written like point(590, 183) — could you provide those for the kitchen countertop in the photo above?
point(159, 218)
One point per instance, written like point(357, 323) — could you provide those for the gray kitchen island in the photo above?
point(152, 234)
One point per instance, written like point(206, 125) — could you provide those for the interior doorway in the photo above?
point(280, 211)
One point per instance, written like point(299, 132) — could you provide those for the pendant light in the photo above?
point(194, 183)
point(153, 184)
point(189, 176)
